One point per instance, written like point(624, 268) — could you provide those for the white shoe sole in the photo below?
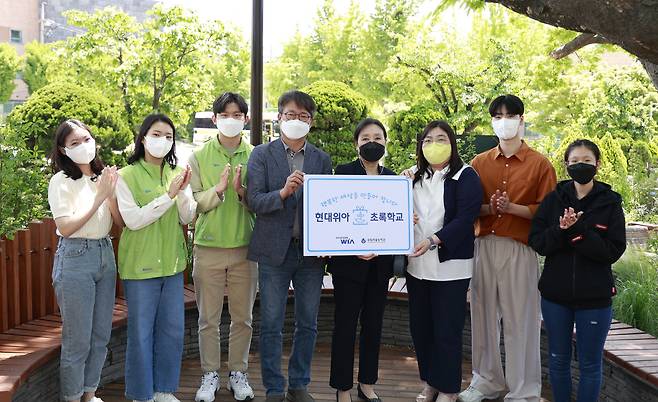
point(204, 399)
point(247, 398)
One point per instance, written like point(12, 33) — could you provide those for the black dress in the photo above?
point(360, 288)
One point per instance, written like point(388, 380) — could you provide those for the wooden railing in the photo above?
point(26, 263)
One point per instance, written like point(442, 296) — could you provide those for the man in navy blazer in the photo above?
point(275, 176)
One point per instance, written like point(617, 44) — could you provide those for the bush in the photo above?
point(636, 302)
point(23, 184)
point(340, 109)
point(35, 121)
point(614, 165)
point(405, 127)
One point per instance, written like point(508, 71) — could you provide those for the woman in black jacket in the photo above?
point(580, 229)
point(360, 285)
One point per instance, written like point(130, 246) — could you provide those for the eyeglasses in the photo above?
point(236, 115)
point(303, 116)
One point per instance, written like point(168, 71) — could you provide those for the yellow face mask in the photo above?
point(437, 153)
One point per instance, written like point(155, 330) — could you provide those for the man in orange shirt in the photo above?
point(515, 179)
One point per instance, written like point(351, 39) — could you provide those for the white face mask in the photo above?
point(230, 127)
point(158, 147)
point(82, 153)
point(506, 129)
point(295, 129)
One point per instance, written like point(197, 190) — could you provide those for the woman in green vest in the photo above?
point(154, 200)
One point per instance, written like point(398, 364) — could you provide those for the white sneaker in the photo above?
point(95, 399)
point(446, 397)
point(164, 397)
point(428, 394)
point(471, 394)
point(239, 385)
point(209, 385)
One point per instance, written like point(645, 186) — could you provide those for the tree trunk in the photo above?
point(630, 24)
point(652, 70)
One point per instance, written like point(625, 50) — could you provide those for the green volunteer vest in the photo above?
point(159, 249)
point(230, 224)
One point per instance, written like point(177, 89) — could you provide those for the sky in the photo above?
point(282, 18)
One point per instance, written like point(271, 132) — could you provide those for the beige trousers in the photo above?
point(214, 271)
point(504, 285)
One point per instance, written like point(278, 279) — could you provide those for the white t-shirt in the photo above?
point(68, 197)
point(428, 205)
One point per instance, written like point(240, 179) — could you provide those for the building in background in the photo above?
point(19, 25)
point(24, 21)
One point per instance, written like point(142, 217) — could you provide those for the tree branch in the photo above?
point(577, 43)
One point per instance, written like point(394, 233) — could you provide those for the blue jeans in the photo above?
point(592, 326)
point(84, 278)
point(273, 282)
point(156, 324)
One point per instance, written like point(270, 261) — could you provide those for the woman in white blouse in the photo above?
point(81, 198)
point(154, 199)
point(447, 198)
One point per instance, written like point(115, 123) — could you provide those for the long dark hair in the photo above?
point(139, 151)
point(455, 162)
point(60, 162)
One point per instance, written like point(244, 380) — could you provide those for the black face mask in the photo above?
point(372, 151)
point(582, 173)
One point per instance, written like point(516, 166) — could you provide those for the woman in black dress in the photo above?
point(360, 285)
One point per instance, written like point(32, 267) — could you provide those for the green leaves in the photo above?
point(9, 64)
point(35, 121)
point(339, 111)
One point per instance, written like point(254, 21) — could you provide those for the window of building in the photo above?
point(16, 36)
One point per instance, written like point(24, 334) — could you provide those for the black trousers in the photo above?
point(437, 310)
point(353, 299)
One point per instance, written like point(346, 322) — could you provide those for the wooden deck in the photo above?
point(398, 378)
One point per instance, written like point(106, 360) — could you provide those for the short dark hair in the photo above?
point(583, 143)
point(366, 122)
point(225, 99)
point(60, 162)
point(454, 163)
point(512, 103)
point(139, 151)
point(302, 99)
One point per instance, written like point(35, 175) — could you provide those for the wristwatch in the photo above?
point(432, 243)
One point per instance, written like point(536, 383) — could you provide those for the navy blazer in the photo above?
point(462, 199)
point(267, 171)
point(351, 266)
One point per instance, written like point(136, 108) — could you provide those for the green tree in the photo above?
point(9, 64)
point(23, 183)
point(340, 109)
point(171, 63)
point(405, 126)
point(38, 57)
point(35, 121)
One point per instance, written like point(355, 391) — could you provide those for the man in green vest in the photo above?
point(222, 234)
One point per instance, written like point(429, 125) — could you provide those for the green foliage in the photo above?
point(340, 109)
point(38, 57)
point(636, 303)
point(353, 48)
point(614, 166)
point(405, 126)
point(35, 121)
point(23, 183)
point(171, 63)
point(9, 64)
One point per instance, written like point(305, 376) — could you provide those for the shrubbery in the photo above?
point(339, 111)
point(35, 120)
